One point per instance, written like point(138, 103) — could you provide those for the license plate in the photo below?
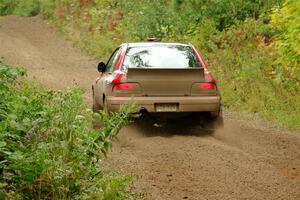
point(168, 107)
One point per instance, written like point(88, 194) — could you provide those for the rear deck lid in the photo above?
point(165, 82)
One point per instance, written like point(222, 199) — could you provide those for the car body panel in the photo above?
point(184, 104)
point(165, 82)
point(156, 89)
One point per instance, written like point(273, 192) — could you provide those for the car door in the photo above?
point(101, 82)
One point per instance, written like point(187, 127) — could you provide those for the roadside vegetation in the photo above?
point(48, 149)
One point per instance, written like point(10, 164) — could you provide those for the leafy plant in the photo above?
point(48, 149)
point(244, 65)
point(286, 21)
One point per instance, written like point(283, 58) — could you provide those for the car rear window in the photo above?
point(161, 56)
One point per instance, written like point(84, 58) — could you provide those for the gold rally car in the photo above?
point(159, 77)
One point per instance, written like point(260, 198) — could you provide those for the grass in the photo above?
point(48, 149)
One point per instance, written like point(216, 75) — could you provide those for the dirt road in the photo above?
point(246, 160)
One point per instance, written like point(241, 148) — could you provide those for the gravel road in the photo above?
point(249, 159)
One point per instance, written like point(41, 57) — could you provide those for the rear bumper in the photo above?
point(185, 104)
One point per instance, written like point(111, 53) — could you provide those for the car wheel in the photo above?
point(219, 120)
point(211, 121)
point(105, 108)
point(96, 107)
point(97, 122)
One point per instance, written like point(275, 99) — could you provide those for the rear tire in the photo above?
point(97, 122)
point(212, 121)
point(96, 108)
point(219, 120)
point(105, 109)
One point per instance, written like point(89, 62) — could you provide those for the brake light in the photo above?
point(153, 40)
point(208, 76)
point(124, 86)
point(206, 86)
point(120, 77)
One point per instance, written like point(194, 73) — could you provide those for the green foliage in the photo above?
point(27, 7)
point(19, 7)
point(286, 21)
point(47, 8)
point(244, 67)
point(48, 149)
point(166, 19)
point(202, 37)
point(147, 19)
point(7, 7)
point(101, 25)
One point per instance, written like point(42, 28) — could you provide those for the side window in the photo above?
point(113, 60)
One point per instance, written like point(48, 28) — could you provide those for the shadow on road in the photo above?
point(184, 126)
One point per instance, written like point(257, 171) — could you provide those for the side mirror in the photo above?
point(101, 67)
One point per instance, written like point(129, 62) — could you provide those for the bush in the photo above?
point(99, 26)
point(286, 21)
point(48, 149)
point(7, 7)
point(27, 7)
point(46, 8)
point(19, 7)
point(244, 66)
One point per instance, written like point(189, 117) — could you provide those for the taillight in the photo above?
point(127, 88)
point(124, 86)
point(118, 78)
point(153, 40)
point(121, 86)
point(203, 89)
point(206, 86)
